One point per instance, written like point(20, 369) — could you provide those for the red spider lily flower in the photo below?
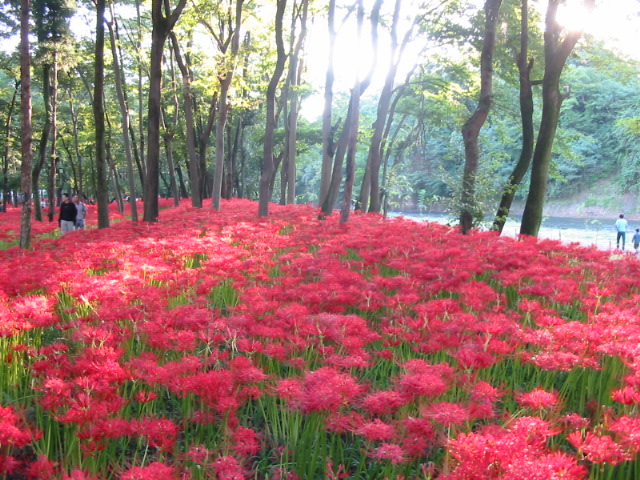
point(389, 451)
point(626, 395)
point(627, 430)
point(598, 448)
point(8, 464)
point(539, 399)
point(199, 454)
point(446, 413)
point(376, 430)
point(379, 403)
point(424, 379)
point(243, 371)
point(12, 429)
point(228, 468)
point(78, 474)
point(161, 433)
point(42, 468)
point(324, 389)
point(245, 441)
point(347, 423)
point(153, 471)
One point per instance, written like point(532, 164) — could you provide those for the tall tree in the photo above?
point(327, 135)
point(51, 19)
point(343, 144)
point(557, 48)
point(526, 117)
point(27, 131)
point(471, 128)
point(124, 113)
point(163, 23)
point(195, 173)
point(7, 146)
point(102, 186)
point(268, 166)
point(228, 35)
point(291, 102)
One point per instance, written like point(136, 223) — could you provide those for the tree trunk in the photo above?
point(371, 182)
point(53, 157)
point(225, 76)
point(124, 113)
point(194, 167)
point(116, 180)
point(556, 52)
point(327, 135)
point(268, 161)
point(471, 129)
point(102, 186)
point(7, 147)
point(44, 141)
point(26, 127)
point(359, 89)
point(526, 116)
point(162, 26)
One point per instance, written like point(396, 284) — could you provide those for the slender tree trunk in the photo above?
point(556, 52)
point(53, 157)
point(471, 129)
point(162, 26)
point(7, 146)
point(124, 113)
point(194, 167)
point(268, 168)
point(102, 186)
point(44, 141)
point(371, 182)
point(526, 117)
point(343, 142)
point(327, 135)
point(143, 163)
point(225, 77)
point(116, 180)
point(26, 128)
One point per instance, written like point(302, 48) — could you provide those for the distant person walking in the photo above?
point(621, 228)
point(636, 239)
point(68, 212)
point(81, 211)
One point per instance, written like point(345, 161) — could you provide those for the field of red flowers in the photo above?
point(216, 345)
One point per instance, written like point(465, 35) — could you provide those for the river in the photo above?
point(586, 231)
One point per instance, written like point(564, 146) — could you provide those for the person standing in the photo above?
point(81, 214)
point(68, 212)
point(636, 239)
point(621, 228)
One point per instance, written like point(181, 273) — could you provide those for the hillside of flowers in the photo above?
point(217, 345)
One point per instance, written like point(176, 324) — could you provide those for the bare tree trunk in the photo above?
point(345, 136)
point(471, 128)
point(116, 180)
point(53, 157)
point(225, 77)
point(102, 186)
point(526, 117)
point(556, 53)
point(26, 127)
point(194, 166)
point(327, 135)
point(44, 141)
point(124, 113)
point(7, 146)
point(268, 168)
point(162, 26)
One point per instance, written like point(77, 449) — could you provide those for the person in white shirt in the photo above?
point(621, 228)
point(82, 211)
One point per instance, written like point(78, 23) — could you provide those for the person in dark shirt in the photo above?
point(68, 212)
